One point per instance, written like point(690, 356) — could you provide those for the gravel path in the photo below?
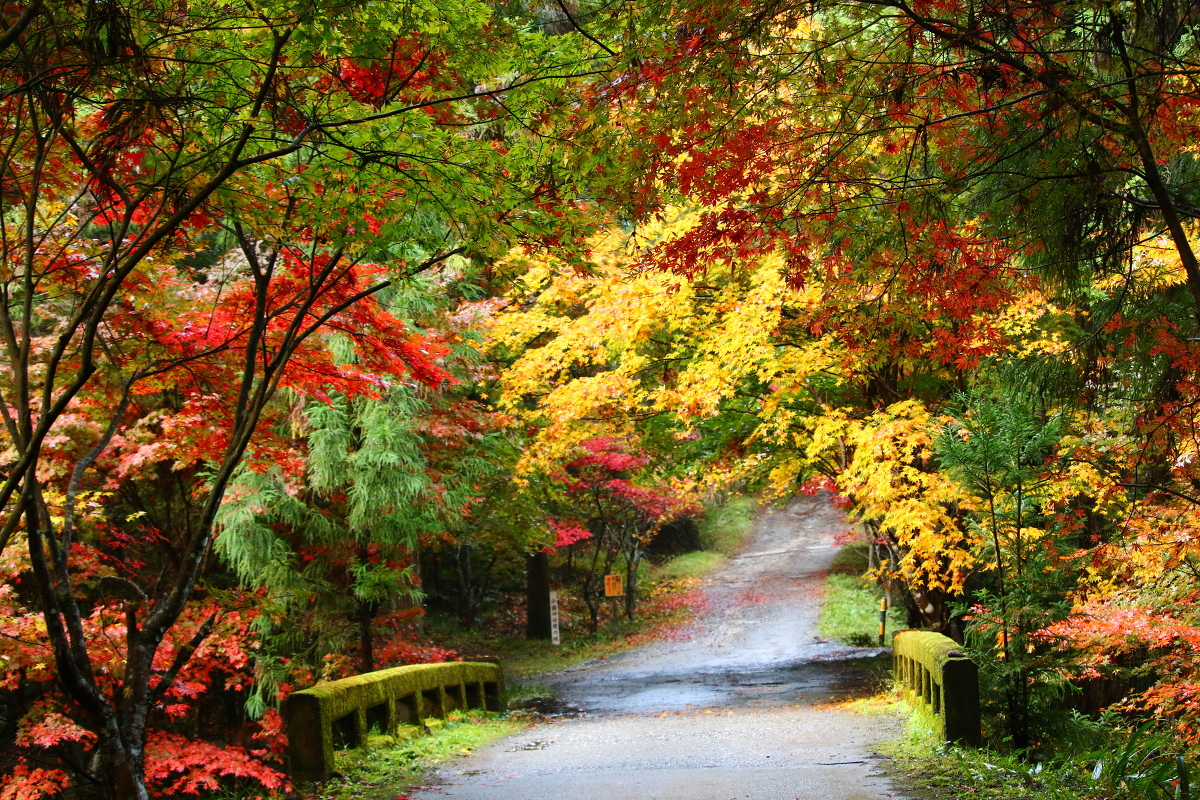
point(735, 707)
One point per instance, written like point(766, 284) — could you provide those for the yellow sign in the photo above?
point(613, 586)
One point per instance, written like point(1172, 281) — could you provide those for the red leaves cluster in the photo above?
point(1107, 636)
point(566, 534)
point(604, 468)
point(50, 730)
point(198, 335)
point(616, 481)
point(609, 453)
point(409, 71)
point(397, 651)
point(33, 784)
point(823, 483)
point(176, 765)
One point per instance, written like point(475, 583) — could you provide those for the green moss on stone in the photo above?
point(311, 713)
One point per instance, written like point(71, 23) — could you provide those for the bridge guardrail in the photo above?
point(931, 670)
point(339, 714)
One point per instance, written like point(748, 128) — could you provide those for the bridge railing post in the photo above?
point(933, 672)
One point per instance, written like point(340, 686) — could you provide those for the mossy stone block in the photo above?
point(933, 670)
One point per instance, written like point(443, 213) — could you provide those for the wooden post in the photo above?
point(537, 596)
point(960, 702)
point(883, 604)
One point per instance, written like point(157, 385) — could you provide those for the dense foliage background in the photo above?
point(318, 317)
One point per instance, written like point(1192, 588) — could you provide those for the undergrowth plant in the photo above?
point(1091, 759)
point(1148, 764)
point(1001, 451)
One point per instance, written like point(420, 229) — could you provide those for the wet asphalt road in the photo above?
point(734, 706)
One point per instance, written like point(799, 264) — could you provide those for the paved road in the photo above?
point(730, 710)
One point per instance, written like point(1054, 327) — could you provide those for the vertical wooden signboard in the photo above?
point(554, 637)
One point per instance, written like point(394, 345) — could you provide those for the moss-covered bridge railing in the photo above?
point(932, 671)
point(339, 714)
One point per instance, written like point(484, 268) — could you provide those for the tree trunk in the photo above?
point(366, 640)
point(631, 576)
point(537, 596)
point(124, 771)
point(466, 587)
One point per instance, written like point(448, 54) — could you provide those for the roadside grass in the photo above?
point(527, 695)
point(955, 773)
point(1091, 759)
point(850, 615)
point(850, 559)
point(724, 527)
point(389, 768)
point(695, 564)
point(921, 767)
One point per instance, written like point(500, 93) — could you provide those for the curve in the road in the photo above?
point(738, 707)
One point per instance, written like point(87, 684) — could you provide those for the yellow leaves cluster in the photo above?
point(883, 462)
point(893, 482)
point(1156, 265)
point(1024, 323)
point(598, 354)
point(594, 353)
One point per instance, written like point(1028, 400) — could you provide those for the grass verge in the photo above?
point(851, 612)
point(922, 767)
point(1091, 761)
point(696, 564)
point(390, 768)
point(953, 773)
point(725, 526)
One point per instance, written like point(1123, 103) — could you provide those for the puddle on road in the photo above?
point(809, 683)
point(546, 708)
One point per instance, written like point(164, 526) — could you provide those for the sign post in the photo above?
point(554, 637)
point(614, 587)
point(883, 608)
